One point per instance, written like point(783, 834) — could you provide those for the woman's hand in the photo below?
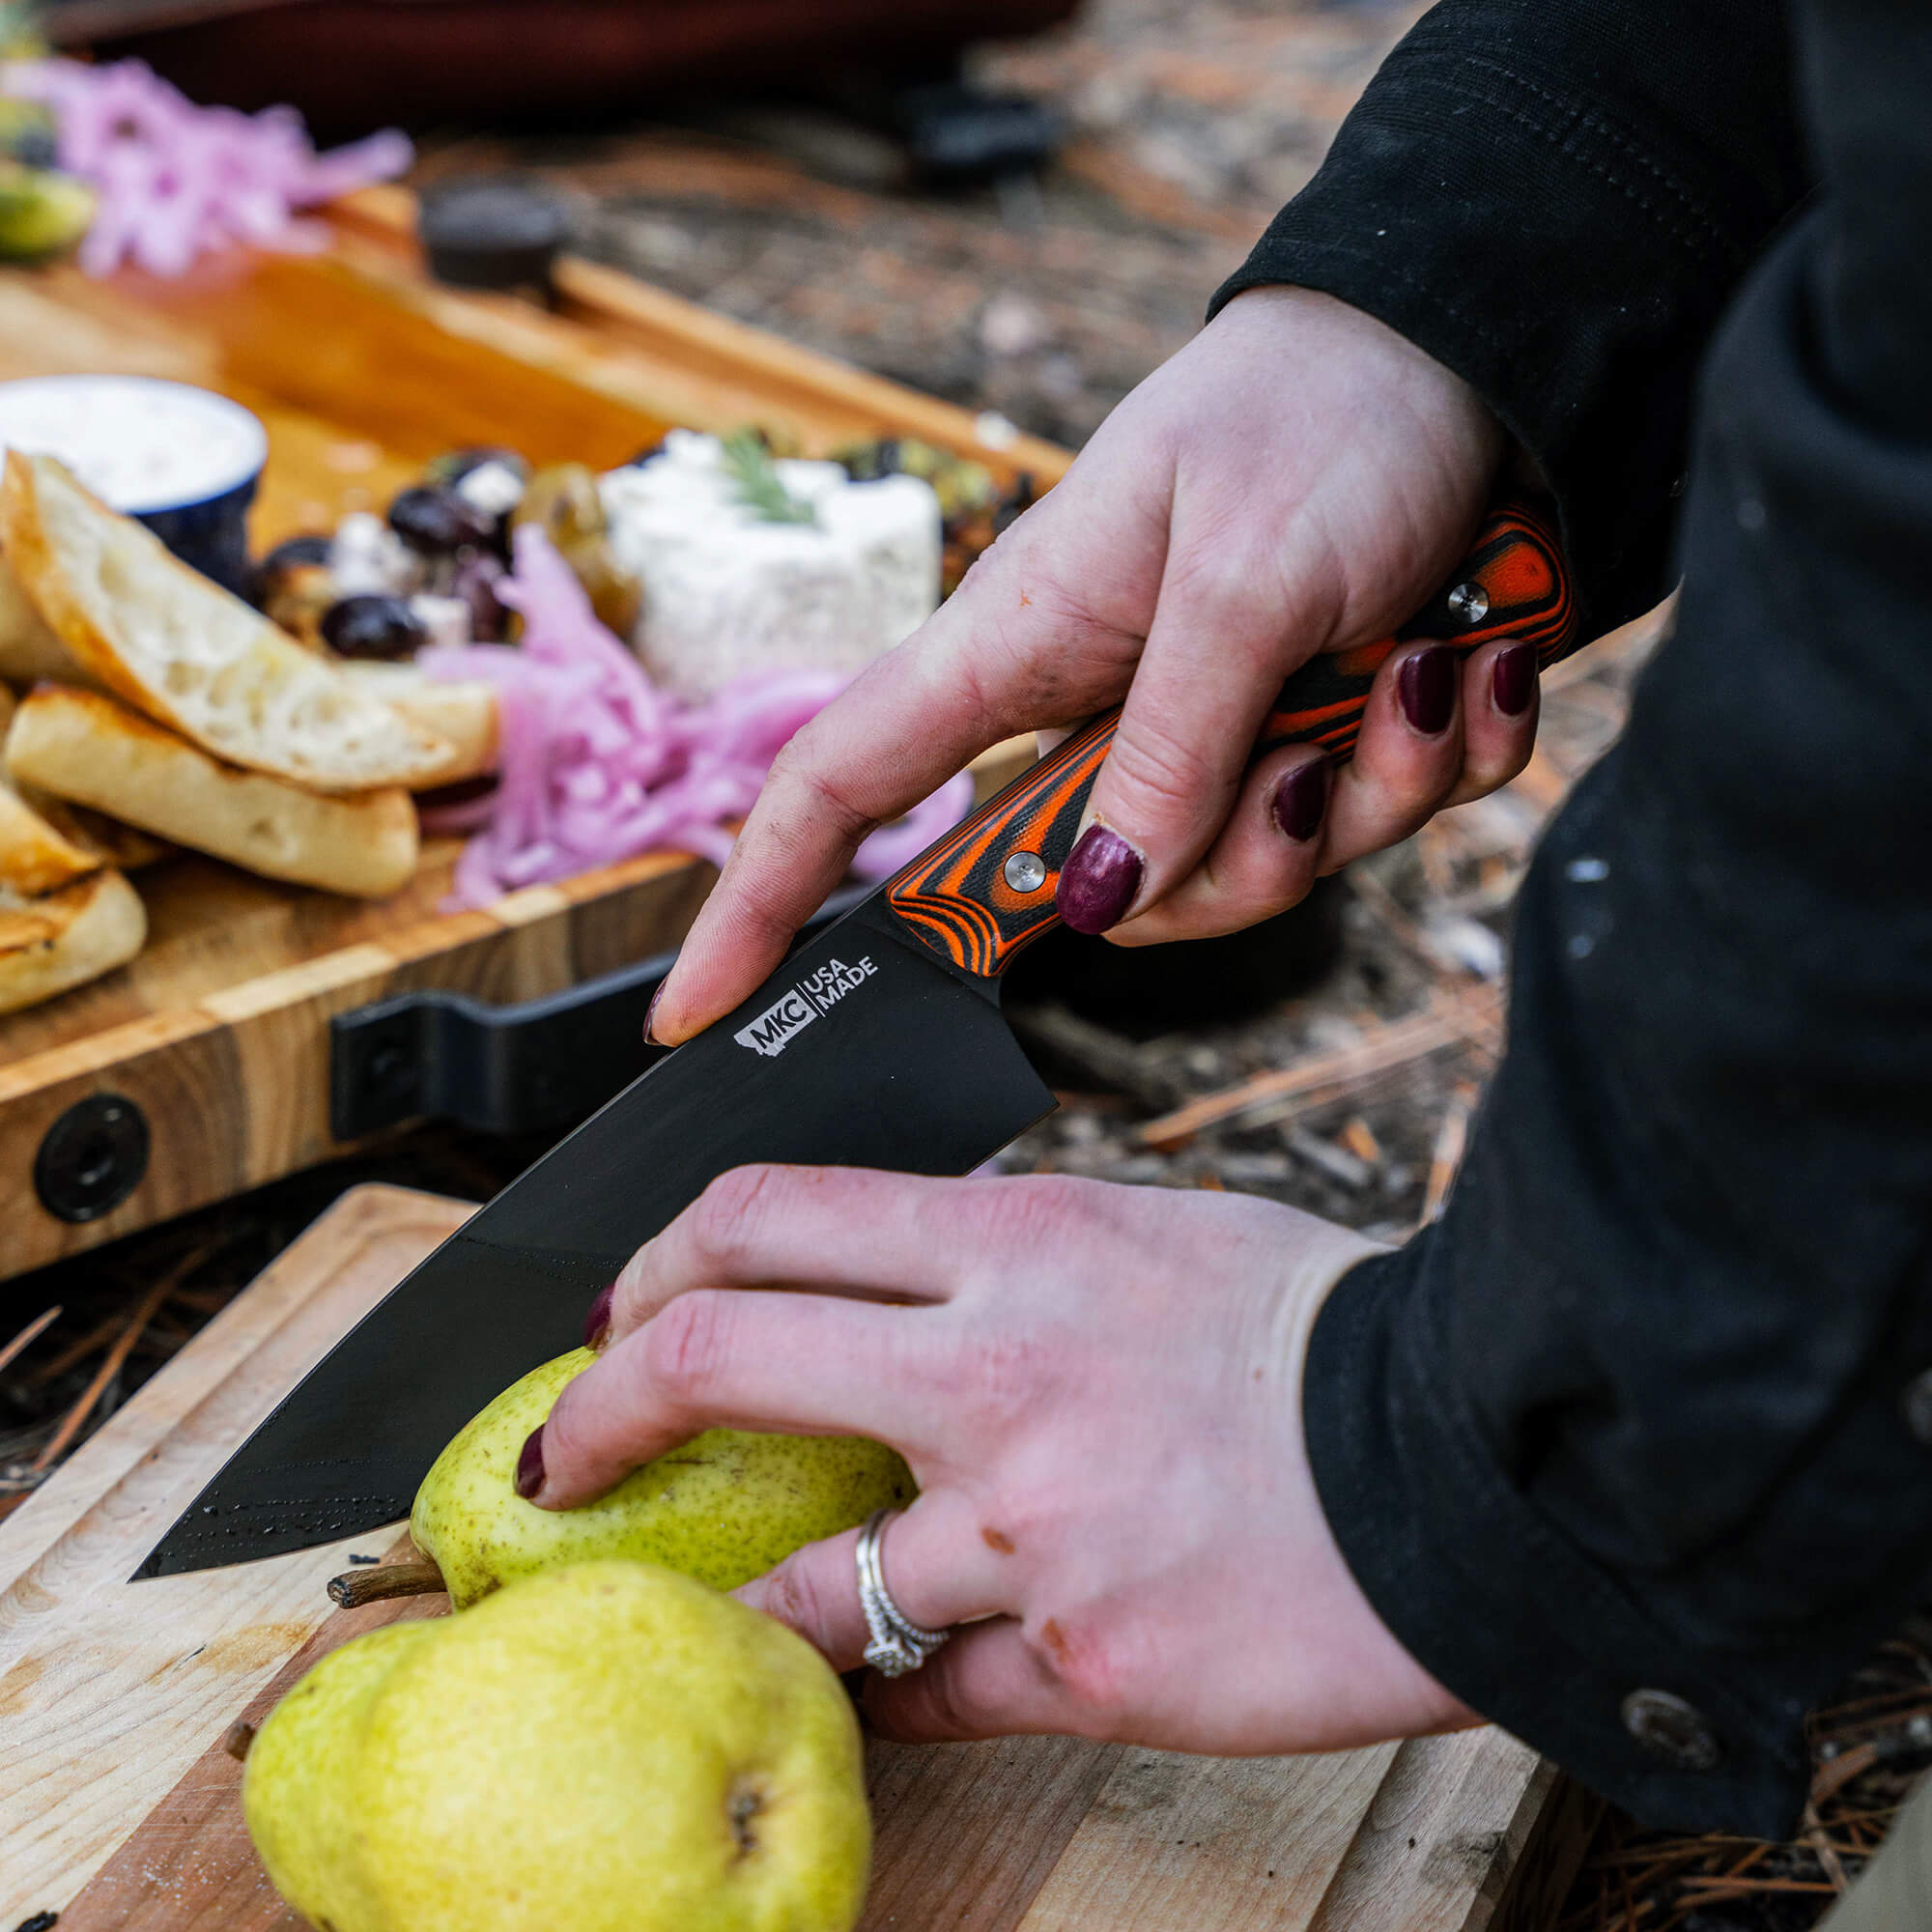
point(1099, 1389)
point(1297, 480)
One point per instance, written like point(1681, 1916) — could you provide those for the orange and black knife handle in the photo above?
point(988, 888)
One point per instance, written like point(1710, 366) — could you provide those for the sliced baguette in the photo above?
point(177, 647)
point(463, 713)
point(29, 650)
point(83, 840)
point(85, 747)
point(124, 847)
point(65, 938)
point(36, 854)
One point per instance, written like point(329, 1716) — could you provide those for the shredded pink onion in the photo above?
point(596, 764)
point(176, 181)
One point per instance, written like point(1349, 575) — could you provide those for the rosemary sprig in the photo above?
point(751, 466)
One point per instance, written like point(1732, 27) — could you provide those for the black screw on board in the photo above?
point(91, 1159)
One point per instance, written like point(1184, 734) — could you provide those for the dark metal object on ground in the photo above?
point(492, 234)
point(1144, 991)
point(959, 135)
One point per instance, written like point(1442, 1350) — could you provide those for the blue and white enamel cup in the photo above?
point(183, 461)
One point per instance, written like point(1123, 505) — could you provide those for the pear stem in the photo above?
point(350, 1591)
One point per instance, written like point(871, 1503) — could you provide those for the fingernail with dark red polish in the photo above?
point(597, 1323)
point(1098, 882)
point(1426, 686)
point(530, 1464)
point(1302, 799)
point(651, 1014)
point(1513, 679)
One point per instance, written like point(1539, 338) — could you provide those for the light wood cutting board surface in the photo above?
point(114, 1698)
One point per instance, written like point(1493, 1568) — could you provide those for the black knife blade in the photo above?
point(878, 1043)
point(863, 1050)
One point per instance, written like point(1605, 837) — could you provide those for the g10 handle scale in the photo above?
point(988, 888)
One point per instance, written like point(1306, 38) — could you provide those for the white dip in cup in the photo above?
point(183, 460)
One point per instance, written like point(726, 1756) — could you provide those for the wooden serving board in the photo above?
point(120, 1806)
point(362, 368)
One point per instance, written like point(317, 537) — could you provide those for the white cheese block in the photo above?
point(727, 593)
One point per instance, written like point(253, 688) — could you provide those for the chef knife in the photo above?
point(877, 1044)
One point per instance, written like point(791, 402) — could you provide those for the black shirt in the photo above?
point(1634, 1448)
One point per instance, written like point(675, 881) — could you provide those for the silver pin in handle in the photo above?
point(898, 1644)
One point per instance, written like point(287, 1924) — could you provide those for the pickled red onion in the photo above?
point(176, 181)
point(596, 764)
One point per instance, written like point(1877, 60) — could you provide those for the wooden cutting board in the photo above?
point(122, 1807)
point(361, 367)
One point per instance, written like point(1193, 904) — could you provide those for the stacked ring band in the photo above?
point(898, 1644)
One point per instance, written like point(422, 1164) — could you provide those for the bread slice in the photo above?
point(35, 855)
point(178, 647)
point(65, 938)
point(124, 847)
point(463, 712)
point(85, 747)
point(44, 841)
point(29, 650)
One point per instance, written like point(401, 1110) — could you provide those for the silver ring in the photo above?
point(898, 1644)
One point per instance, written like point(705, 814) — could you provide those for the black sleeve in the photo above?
point(1633, 1449)
point(1556, 198)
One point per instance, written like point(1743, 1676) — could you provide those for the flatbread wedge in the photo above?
point(179, 648)
point(65, 938)
point(36, 854)
point(85, 747)
point(29, 650)
point(461, 710)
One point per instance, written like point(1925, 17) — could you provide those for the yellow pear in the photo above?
point(723, 1508)
point(609, 1747)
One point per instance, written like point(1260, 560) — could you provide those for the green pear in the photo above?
point(607, 1748)
point(723, 1508)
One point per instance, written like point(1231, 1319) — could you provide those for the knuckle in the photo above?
point(809, 798)
point(687, 1345)
point(1150, 766)
point(727, 1219)
point(944, 1704)
point(1078, 1658)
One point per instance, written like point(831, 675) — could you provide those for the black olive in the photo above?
point(275, 569)
point(453, 465)
point(438, 523)
point(373, 626)
point(475, 581)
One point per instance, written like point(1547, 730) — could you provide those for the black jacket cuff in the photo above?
point(1497, 1605)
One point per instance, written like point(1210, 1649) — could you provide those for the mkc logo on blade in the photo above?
point(795, 1009)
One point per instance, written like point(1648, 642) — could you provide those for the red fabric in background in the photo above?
point(352, 65)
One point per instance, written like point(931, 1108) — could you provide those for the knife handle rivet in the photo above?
point(1469, 602)
point(1024, 872)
